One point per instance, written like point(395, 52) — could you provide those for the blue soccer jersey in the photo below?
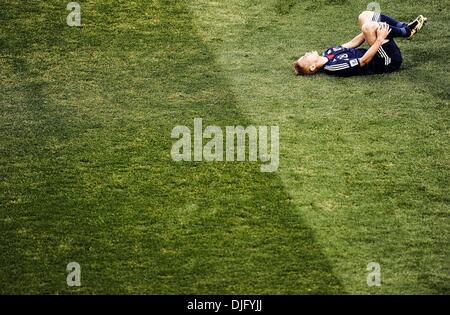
point(344, 62)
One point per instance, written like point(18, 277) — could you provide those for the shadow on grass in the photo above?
point(110, 197)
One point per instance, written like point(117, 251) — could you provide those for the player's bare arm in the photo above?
point(357, 41)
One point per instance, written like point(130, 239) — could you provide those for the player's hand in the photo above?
point(383, 31)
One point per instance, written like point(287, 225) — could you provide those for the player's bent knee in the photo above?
point(365, 17)
point(369, 27)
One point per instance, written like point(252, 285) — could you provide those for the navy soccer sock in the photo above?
point(391, 21)
point(399, 29)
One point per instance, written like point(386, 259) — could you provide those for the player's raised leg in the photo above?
point(399, 29)
point(402, 29)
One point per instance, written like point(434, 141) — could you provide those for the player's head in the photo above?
point(307, 64)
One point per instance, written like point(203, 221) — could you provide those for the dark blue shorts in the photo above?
point(388, 58)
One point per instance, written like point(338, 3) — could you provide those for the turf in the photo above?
point(86, 117)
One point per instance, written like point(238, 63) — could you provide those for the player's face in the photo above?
point(311, 54)
point(308, 60)
point(311, 57)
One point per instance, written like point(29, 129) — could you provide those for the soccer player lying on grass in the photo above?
point(383, 56)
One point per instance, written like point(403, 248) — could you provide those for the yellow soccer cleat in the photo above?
point(417, 25)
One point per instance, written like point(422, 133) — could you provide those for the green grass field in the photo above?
point(87, 176)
